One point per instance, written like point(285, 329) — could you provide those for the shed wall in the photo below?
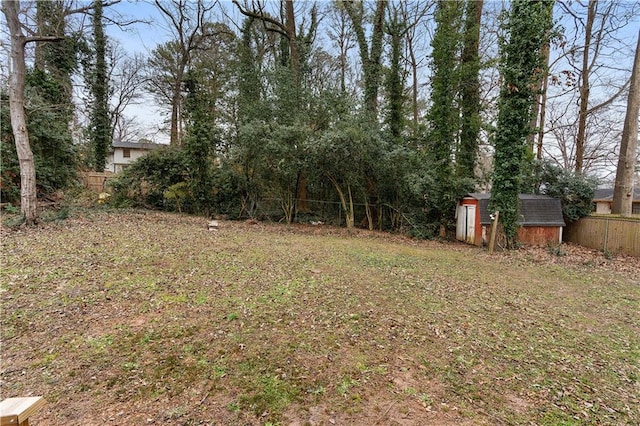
point(540, 235)
point(536, 235)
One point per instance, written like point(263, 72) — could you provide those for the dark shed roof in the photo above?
point(606, 194)
point(535, 210)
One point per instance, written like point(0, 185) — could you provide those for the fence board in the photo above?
point(612, 234)
point(95, 181)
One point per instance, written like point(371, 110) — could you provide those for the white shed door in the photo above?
point(461, 216)
point(470, 229)
point(466, 224)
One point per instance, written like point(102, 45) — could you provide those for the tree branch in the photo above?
point(90, 7)
point(281, 28)
point(610, 100)
point(43, 38)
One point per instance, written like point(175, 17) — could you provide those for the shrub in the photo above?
point(575, 191)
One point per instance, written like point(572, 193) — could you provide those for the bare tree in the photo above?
point(415, 13)
point(186, 21)
point(623, 191)
point(592, 64)
point(126, 80)
point(341, 34)
point(17, 74)
point(370, 52)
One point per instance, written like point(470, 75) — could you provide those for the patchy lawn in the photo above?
point(149, 318)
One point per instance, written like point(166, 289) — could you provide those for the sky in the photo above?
point(142, 37)
point(150, 30)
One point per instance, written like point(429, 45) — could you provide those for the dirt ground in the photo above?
point(150, 318)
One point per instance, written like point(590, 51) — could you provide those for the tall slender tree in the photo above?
point(370, 51)
point(627, 160)
point(186, 21)
point(444, 114)
point(467, 151)
point(340, 34)
point(100, 126)
point(28, 194)
point(413, 14)
point(528, 27)
point(394, 81)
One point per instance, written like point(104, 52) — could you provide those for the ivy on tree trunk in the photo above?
point(100, 122)
point(528, 29)
point(444, 114)
point(470, 91)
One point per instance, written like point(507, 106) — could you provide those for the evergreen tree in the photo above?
point(528, 28)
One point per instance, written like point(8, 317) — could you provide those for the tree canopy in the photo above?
point(379, 114)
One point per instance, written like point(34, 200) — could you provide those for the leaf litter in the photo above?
point(146, 317)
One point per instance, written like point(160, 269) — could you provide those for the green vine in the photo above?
point(528, 28)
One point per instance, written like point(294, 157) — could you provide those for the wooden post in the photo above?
point(494, 231)
point(16, 411)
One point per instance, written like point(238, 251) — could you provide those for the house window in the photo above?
point(126, 152)
point(635, 208)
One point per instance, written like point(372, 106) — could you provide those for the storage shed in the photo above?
point(541, 219)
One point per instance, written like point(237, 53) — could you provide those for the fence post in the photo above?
point(494, 232)
point(606, 235)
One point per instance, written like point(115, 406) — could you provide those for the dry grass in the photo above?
point(149, 318)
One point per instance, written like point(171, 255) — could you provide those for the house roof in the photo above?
point(147, 146)
point(535, 210)
point(606, 194)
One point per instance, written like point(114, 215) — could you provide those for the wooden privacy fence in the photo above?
point(609, 234)
point(95, 181)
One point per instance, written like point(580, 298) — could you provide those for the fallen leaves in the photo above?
point(149, 317)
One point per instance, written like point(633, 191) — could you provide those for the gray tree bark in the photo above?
point(28, 191)
point(623, 190)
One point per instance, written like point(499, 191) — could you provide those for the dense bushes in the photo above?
point(54, 153)
point(145, 181)
point(575, 191)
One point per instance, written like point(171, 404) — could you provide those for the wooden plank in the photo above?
point(15, 411)
point(613, 234)
point(494, 232)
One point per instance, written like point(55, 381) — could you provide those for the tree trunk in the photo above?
point(101, 121)
point(584, 88)
point(176, 98)
point(28, 190)
point(543, 105)
point(414, 85)
point(301, 199)
point(370, 57)
point(623, 191)
point(294, 55)
point(541, 86)
point(470, 91)
point(373, 82)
